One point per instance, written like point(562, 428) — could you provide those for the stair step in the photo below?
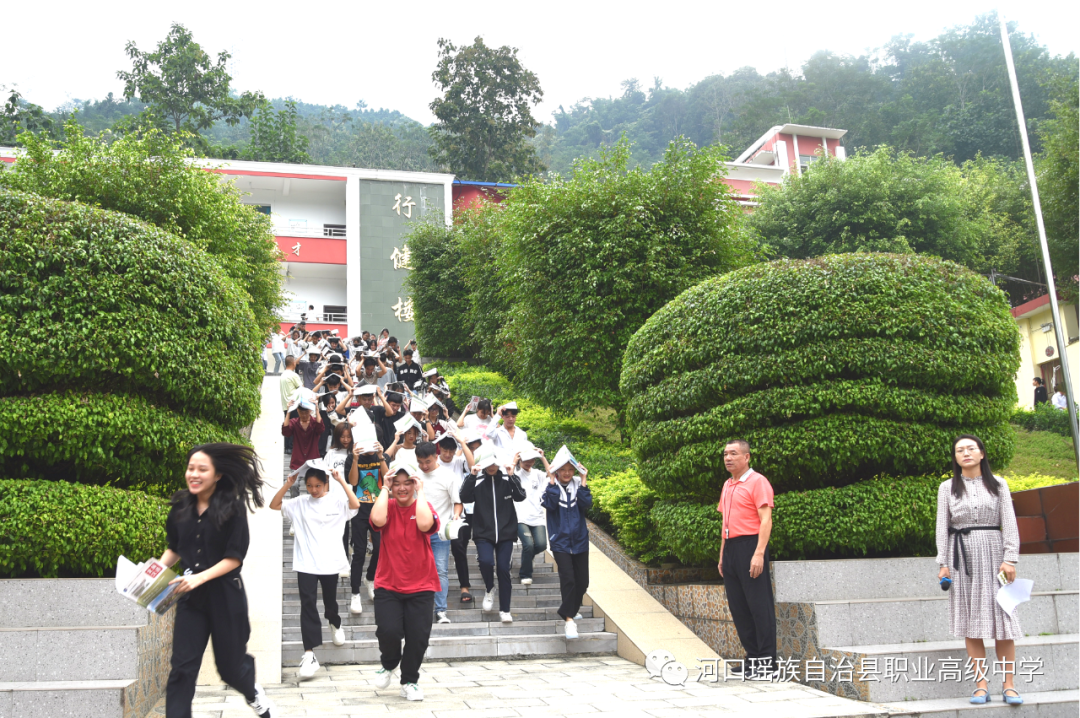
point(907, 620)
point(367, 651)
point(486, 628)
point(103, 698)
point(291, 618)
point(1048, 704)
point(1058, 653)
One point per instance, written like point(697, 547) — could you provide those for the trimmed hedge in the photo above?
point(835, 369)
point(55, 528)
point(1034, 481)
point(623, 503)
point(1045, 417)
point(96, 438)
point(882, 516)
point(97, 299)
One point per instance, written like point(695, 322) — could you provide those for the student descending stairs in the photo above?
point(472, 632)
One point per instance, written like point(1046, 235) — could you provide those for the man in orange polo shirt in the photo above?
point(746, 503)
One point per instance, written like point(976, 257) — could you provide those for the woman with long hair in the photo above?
point(978, 538)
point(207, 530)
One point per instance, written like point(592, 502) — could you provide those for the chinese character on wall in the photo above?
point(407, 205)
point(296, 249)
point(403, 310)
point(402, 257)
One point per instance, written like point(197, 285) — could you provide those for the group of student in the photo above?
point(390, 460)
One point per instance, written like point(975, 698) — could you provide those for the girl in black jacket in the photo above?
point(207, 531)
point(493, 489)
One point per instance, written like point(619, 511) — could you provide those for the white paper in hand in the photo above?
point(1013, 594)
point(125, 572)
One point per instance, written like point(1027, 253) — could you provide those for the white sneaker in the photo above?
point(338, 634)
point(526, 582)
point(383, 678)
point(292, 531)
point(577, 617)
point(505, 617)
point(345, 574)
point(308, 665)
point(441, 617)
point(489, 600)
point(370, 589)
point(571, 629)
point(412, 692)
point(261, 705)
point(355, 606)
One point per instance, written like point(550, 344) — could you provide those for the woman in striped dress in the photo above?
point(977, 538)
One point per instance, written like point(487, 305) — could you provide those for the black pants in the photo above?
point(403, 616)
point(459, 548)
point(217, 610)
point(360, 529)
point(495, 558)
point(310, 625)
point(750, 599)
point(573, 581)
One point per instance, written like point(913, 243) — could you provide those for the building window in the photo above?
point(334, 313)
point(334, 230)
point(261, 208)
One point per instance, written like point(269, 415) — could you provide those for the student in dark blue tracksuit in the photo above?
point(567, 499)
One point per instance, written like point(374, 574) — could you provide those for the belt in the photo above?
point(959, 549)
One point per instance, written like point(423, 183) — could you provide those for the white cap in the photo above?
point(529, 453)
point(319, 464)
point(511, 405)
point(405, 423)
point(431, 372)
point(365, 390)
point(471, 435)
point(485, 457)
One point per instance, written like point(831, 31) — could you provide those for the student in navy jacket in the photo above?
point(567, 499)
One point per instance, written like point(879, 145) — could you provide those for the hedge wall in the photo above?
point(55, 528)
point(97, 299)
point(95, 438)
point(835, 369)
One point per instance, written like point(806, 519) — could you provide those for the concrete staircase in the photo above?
point(72, 647)
point(472, 633)
point(892, 611)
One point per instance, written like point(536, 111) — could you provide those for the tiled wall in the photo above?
point(702, 607)
point(155, 649)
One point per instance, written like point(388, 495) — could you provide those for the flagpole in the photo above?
point(1037, 205)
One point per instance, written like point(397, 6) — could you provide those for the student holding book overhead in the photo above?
point(567, 500)
point(207, 530)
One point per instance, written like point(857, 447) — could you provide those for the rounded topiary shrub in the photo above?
point(54, 528)
point(98, 300)
point(835, 369)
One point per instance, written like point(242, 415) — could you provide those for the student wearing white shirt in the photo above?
point(481, 422)
point(508, 437)
point(459, 462)
point(318, 520)
point(1059, 400)
point(277, 348)
point(532, 517)
point(441, 487)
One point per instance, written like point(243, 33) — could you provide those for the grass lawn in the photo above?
point(1042, 452)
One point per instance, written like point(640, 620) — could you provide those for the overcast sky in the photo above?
point(384, 53)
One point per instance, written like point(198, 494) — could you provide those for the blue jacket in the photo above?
point(567, 530)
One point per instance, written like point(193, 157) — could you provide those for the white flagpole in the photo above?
point(1042, 232)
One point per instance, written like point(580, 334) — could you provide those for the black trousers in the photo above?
point(495, 558)
point(360, 529)
point(459, 548)
point(310, 625)
point(573, 580)
point(403, 616)
point(217, 610)
point(750, 599)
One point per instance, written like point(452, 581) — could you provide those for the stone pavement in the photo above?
point(556, 686)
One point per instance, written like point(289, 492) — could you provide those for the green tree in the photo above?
point(484, 116)
point(585, 260)
point(437, 287)
point(1058, 181)
point(21, 116)
point(151, 175)
point(274, 137)
point(182, 84)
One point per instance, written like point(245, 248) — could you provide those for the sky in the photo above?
point(385, 53)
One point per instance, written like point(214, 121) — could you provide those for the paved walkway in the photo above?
point(605, 685)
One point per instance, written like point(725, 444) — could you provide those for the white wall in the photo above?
point(318, 202)
point(317, 284)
